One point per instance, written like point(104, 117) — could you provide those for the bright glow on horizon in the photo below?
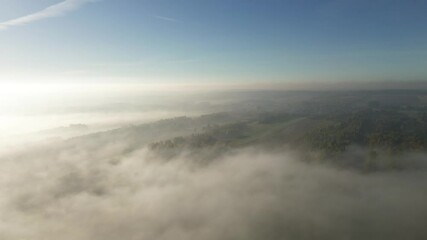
point(27, 108)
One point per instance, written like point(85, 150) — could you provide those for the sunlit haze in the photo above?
point(213, 119)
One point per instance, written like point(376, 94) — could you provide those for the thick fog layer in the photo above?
point(105, 193)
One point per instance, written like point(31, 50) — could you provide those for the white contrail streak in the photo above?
point(52, 11)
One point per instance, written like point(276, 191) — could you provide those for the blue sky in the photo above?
point(205, 41)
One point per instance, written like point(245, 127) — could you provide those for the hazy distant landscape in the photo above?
point(276, 165)
point(213, 120)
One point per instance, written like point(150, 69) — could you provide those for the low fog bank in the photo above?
point(32, 113)
point(107, 193)
point(32, 129)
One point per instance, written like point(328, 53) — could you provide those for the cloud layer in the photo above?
point(56, 10)
point(91, 192)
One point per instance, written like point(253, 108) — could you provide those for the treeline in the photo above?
point(390, 130)
point(213, 136)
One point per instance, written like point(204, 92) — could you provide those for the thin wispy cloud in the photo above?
point(52, 11)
